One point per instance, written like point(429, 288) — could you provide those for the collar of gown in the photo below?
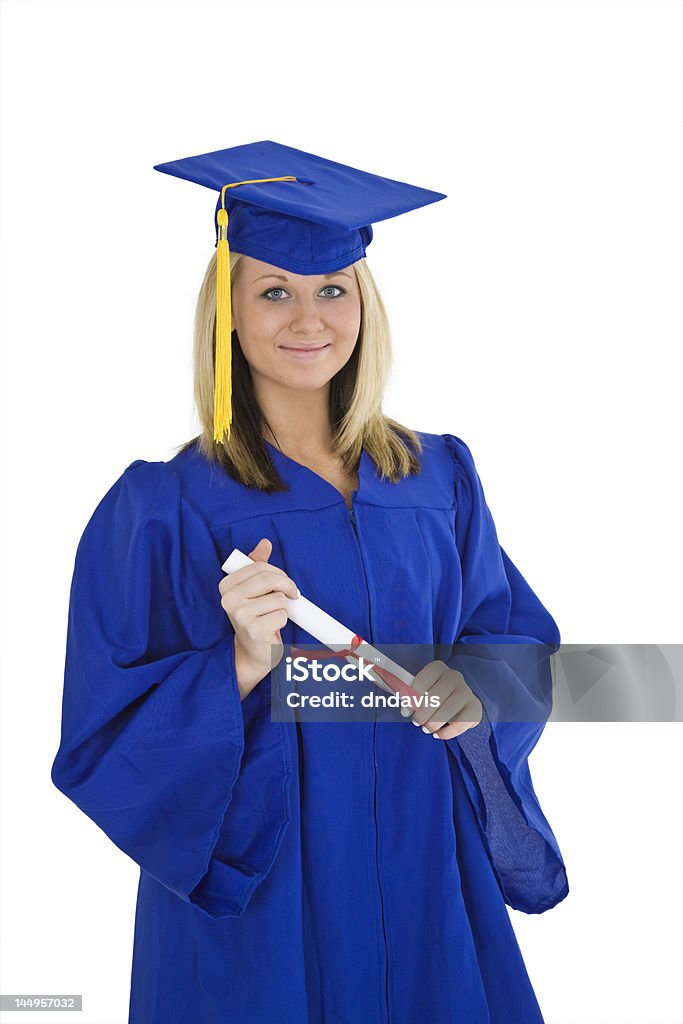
point(222, 497)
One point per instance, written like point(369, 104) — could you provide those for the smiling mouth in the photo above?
point(304, 348)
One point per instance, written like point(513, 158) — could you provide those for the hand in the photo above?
point(255, 600)
point(458, 705)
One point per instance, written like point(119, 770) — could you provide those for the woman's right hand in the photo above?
point(255, 600)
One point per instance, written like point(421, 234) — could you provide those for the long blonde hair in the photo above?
point(355, 399)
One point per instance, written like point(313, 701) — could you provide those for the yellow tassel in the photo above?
point(222, 394)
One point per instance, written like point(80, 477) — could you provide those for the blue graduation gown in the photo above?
point(304, 872)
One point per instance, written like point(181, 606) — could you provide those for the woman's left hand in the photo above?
point(458, 705)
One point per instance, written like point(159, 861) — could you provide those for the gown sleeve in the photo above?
point(503, 647)
point(156, 746)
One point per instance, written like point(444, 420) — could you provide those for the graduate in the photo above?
point(307, 872)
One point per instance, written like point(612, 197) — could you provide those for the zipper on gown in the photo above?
point(354, 524)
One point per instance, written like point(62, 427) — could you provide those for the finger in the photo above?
point(257, 607)
point(264, 574)
point(422, 682)
point(451, 708)
point(469, 718)
point(262, 551)
point(427, 676)
point(435, 696)
point(263, 627)
point(262, 584)
point(245, 571)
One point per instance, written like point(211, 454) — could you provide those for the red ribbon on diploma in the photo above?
point(396, 684)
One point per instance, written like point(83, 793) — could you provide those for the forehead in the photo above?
point(256, 270)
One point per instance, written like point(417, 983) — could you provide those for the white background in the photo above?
point(536, 313)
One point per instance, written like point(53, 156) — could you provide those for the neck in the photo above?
point(297, 421)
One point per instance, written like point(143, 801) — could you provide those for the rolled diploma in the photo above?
point(325, 628)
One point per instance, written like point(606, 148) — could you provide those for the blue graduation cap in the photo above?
point(295, 210)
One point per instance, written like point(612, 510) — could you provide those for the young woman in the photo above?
point(308, 872)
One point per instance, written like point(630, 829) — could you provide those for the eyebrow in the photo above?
point(281, 277)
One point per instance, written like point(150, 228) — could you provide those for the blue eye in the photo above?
point(272, 297)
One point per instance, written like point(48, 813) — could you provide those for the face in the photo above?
point(296, 330)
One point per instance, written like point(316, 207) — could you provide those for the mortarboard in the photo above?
point(295, 210)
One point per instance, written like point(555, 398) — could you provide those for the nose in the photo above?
point(306, 317)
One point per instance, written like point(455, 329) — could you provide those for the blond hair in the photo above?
point(355, 400)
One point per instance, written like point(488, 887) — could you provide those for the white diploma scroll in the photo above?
point(334, 635)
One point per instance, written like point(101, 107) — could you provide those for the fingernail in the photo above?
point(425, 729)
point(415, 723)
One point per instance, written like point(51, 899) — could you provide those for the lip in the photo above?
point(305, 351)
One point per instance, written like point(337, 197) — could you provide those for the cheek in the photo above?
point(346, 322)
point(259, 323)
